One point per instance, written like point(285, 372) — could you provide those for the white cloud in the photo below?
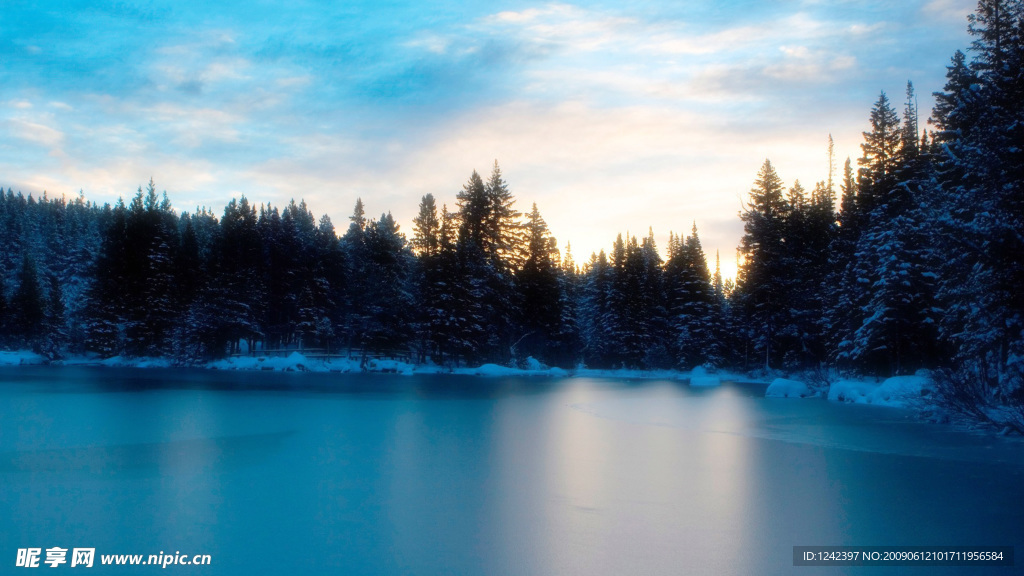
point(35, 132)
point(950, 10)
point(433, 43)
point(611, 120)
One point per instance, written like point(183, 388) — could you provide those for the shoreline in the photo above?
point(297, 362)
point(896, 392)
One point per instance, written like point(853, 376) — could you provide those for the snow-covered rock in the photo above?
point(782, 388)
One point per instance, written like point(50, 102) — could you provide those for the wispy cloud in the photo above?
point(611, 117)
point(35, 132)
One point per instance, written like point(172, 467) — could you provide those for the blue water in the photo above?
point(273, 473)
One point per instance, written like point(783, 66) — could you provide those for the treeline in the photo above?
point(913, 260)
point(483, 283)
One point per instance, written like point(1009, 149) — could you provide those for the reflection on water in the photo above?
point(295, 473)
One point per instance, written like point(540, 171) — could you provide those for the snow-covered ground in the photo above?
point(898, 391)
point(298, 362)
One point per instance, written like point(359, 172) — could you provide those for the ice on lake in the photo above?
point(274, 473)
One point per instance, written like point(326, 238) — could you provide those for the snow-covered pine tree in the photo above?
point(539, 293)
point(426, 244)
point(28, 305)
point(898, 332)
point(485, 278)
point(54, 338)
point(761, 280)
point(981, 179)
point(238, 291)
point(690, 300)
point(598, 318)
point(389, 277)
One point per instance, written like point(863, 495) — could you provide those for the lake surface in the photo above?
point(273, 473)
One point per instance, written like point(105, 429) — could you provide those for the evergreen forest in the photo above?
point(909, 257)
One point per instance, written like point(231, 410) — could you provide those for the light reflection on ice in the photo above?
point(280, 473)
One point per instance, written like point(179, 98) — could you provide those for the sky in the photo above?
point(613, 117)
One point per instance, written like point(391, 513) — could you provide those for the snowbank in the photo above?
point(856, 391)
point(390, 366)
point(782, 388)
point(20, 357)
point(898, 391)
point(294, 362)
point(495, 370)
point(902, 391)
point(143, 362)
point(700, 377)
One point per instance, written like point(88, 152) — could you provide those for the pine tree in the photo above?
point(4, 308)
point(877, 174)
point(428, 242)
point(442, 295)
point(426, 228)
point(503, 234)
point(485, 279)
point(540, 294)
point(599, 319)
point(950, 105)
point(840, 289)
point(359, 296)
point(106, 308)
point(474, 213)
point(719, 350)
point(897, 331)
point(239, 289)
point(690, 300)
point(28, 309)
point(389, 276)
point(54, 339)
point(761, 280)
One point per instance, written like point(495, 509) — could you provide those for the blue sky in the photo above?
point(612, 117)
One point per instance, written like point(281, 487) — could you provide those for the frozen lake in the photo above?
point(274, 473)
